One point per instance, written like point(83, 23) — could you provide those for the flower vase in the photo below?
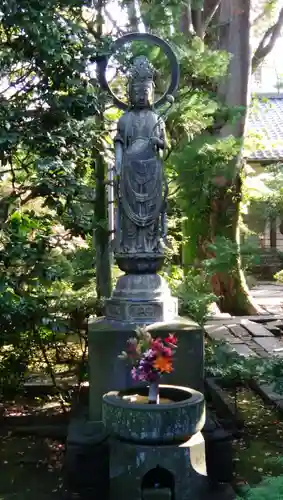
point(153, 393)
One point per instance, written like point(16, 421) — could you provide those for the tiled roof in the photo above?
point(266, 121)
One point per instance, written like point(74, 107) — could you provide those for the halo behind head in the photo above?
point(152, 39)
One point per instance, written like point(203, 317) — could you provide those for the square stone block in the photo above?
point(107, 339)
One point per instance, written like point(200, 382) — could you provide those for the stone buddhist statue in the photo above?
point(141, 185)
point(141, 295)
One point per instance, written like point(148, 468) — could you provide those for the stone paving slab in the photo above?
point(267, 393)
point(260, 319)
point(268, 389)
point(239, 332)
point(244, 350)
point(256, 329)
point(276, 327)
point(272, 345)
point(269, 296)
point(260, 335)
point(246, 337)
point(222, 333)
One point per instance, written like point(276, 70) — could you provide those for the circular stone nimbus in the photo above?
point(144, 37)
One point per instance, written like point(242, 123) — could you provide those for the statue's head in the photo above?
point(141, 83)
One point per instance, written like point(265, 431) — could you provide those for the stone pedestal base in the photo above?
point(142, 470)
point(141, 299)
point(87, 467)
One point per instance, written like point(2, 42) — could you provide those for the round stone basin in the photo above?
point(179, 415)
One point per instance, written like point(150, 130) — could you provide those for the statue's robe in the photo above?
point(141, 184)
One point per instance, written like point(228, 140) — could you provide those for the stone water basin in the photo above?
point(179, 415)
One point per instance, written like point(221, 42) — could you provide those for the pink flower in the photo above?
point(157, 344)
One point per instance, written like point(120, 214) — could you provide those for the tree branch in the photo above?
point(132, 14)
point(197, 20)
point(210, 14)
point(186, 18)
point(171, 195)
point(113, 22)
point(267, 43)
point(266, 9)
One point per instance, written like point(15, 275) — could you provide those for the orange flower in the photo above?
point(164, 365)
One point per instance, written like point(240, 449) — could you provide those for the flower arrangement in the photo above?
point(150, 359)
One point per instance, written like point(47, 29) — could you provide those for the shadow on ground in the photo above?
point(30, 468)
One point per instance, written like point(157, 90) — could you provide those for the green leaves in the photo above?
point(271, 488)
point(222, 361)
point(50, 133)
point(193, 291)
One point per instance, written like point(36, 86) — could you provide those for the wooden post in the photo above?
point(101, 233)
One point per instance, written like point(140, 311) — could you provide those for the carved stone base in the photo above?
point(141, 263)
point(141, 299)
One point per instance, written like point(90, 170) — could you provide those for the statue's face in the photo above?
point(141, 94)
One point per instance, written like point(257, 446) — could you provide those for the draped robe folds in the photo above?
point(141, 184)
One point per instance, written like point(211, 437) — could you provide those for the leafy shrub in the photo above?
point(270, 488)
point(193, 291)
point(279, 276)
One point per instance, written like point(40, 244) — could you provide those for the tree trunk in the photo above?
point(132, 15)
point(234, 37)
point(233, 21)
point(231, 288)
point(186, 18)
point(101, 232)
